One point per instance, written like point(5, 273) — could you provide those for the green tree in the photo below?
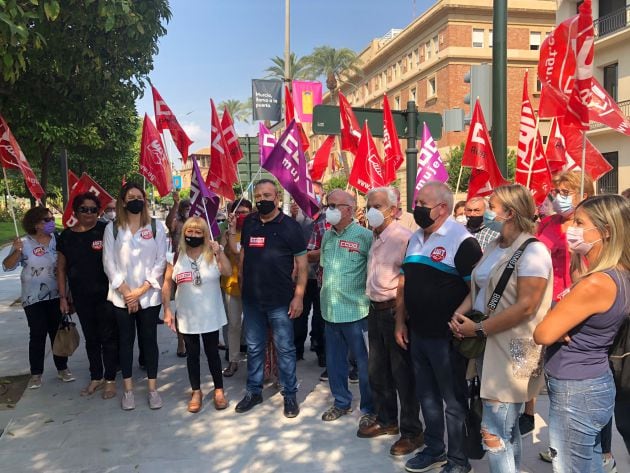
point(297, 68)
point(333, 64)
point(239, 110)
point(454, 164)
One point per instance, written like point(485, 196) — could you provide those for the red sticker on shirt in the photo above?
point(256, 242)
point(186, 276)
point(39, 251)
point(351, 246)
point(438, 254)
point(146, 234)
point(97, 245)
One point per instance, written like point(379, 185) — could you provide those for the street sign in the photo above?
point(249, 165)
point(177, 182)
point(326, 121)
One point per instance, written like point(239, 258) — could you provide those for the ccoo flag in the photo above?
point(78, 186)
point(430, 165)
point(203, 202)
point(165, 118)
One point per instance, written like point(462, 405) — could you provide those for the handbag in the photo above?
point(67, 338)
point(472, 440)
point(473, 347)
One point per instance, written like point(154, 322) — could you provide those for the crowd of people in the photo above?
point(394, 296)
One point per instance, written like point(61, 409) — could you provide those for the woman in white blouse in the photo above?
point(200, 310)
point(134, 258)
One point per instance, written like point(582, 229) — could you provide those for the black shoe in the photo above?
point(227, 354)
point(324, 376)
point(321, 360)
point(160, 321)
point(526, 424)
point(353, 376)
point(243, 348)
point(291, 407)
point(249, 401)
point(299, 356)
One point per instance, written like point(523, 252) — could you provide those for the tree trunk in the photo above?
point(45, 153)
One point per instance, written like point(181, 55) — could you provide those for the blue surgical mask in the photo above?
point(563, 205)
point(489, 220)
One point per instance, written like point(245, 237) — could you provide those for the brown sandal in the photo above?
point(109, 391)
point(195, 403)
point(220, 402)
point(94, 386)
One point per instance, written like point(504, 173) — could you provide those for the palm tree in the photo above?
point(239, 110)
point(296, 68)
point(333, 63)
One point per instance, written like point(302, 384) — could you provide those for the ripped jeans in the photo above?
point(500, 419)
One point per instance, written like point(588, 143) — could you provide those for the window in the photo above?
point(490, 38)
point(610, 80)
point(534, 40)
point(436, 45)
point(609, 182)
point(427, 49)
point(416, 56)
point(477, 38)
point(413, 94)
point(431, 88)
point(538, 85)
point(397, 102)
point(398, 68)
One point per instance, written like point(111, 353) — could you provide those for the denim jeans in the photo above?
point(501, 420)
point(343, 339)
point(440, 373)
point(578, 411)
point(256, 322)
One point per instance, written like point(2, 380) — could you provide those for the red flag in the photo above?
point(532, 170)
point(79, 186)
point(154, 164)
point(391, 146)
point(368, 169)
point(478, 155)
point(581, 93)
point(165, 118)
point(320, 161)
point(604, 109)
point(289, 114)
point(12, 157)
point(350, 132)
point(222, 174)
point(565, 147)
point(231, 138)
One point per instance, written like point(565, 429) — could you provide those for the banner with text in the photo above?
point(267, 99)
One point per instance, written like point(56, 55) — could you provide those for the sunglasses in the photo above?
point(48, 219)
point(88, 210)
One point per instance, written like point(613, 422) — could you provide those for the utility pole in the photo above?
point(286, 208)
point(499, 82)
point(411, 151)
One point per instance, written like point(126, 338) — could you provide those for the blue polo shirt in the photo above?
point(269, 250)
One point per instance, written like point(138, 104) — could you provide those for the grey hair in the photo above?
point(389, 192)
point(443, 193)
point(472, 200)
point(349, 198)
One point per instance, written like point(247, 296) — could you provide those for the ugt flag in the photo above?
point(78, 186)
point(288, 163)
point(165, 118)
point(430, 164)
point(154, 164)
point(203, 202)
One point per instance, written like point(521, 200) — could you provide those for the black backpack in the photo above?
point(619, 356)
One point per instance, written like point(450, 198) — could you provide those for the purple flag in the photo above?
point(266, 142)
point(200, 194)
point(430, 165)
point(288, 163)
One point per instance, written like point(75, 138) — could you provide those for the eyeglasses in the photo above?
point(88, 210)
point(334, 206)
point(48, 219)
point(196, 273)
point(562, 192)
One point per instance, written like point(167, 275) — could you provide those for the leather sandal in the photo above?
point(231, 369)
point(195, 403)
point(109, 391)
point(219, 399)
point(94, 386)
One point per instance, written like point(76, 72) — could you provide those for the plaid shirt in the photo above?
point(485, 236)
point(315, 242)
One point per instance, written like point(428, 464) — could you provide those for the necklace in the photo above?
point(194, 264)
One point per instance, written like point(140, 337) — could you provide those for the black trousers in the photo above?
point(43, 320)
point(193, 350)
point(146, 320)
point(622, 419)
point(300, 325)
point(391, 371)
point(101, 335)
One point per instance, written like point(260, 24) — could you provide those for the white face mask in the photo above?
point(375, 217)
point(111, 216)
point(575, 240)
point(333, 216)
point(461, 219)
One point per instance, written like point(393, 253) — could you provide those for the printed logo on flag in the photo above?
point(351, 246)
point(146, 234)
point(256, 242)
point(39, 251)
point(438, 254)
point(186, 276)
point(97, 245)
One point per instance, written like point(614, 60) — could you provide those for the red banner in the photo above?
point(391, 146)
point(604, 109)
point(231, 138)
point(222, 173)
point(289, 114)
point(79, 186)
point(350, 132)
point(165, 118)
point(320, 161)
point(154, 164)
point(368, 170)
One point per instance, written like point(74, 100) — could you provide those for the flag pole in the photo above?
point(459, 179)
point(533, 156)
point(205, 211)
point(247, 189)
point(10, 202)
point(583, 163)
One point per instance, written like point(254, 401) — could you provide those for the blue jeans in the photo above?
point(257, 321)
point(501, 420)
point(441, 379)
point(578, 412)
point(341, 339)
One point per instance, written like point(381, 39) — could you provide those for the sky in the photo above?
point(213, 48)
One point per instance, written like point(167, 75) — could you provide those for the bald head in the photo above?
point(340, 196)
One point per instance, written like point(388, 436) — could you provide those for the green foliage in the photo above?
point(332, 64)
point(339, 181)
point(239, 110)
point(297, 68)
point(454, 164)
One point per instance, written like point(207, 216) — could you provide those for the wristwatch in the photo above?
point(479, 331)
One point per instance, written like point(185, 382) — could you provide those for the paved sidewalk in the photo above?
point(53, 429)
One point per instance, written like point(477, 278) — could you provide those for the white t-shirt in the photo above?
point(199, 308)
point(534, 262)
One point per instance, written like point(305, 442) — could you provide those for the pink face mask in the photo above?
point(575, 240)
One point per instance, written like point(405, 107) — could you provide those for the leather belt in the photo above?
point(390, 304)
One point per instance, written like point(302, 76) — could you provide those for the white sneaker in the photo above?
point(65, 375)
point(155, 401)
point(610, 465)
point(128, 401)
point(35, 382)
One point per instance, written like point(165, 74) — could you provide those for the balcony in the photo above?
point(625, 108)
point(612, 22)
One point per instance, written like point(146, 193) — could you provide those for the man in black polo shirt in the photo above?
point(439, 260)
point(271, 245)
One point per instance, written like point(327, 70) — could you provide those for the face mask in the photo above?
point(563, 205)
point(111, 216)
point(265, 206)
point(49, 227)
point(135, 206)
point(461, 219)
point(475, 221)
point(422, 216)
point(489, 220)
point(318, 198)
point(333, 216)
point(193, 242)
point(575, 240)
point(240, 219)
point(375, 217)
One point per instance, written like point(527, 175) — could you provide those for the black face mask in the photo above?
point(193, 242)
point(475, 222)
point(422, 216)
point(265, 206)
point(135, 206)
